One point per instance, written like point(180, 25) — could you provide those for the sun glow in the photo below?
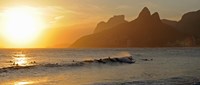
point(22, 25)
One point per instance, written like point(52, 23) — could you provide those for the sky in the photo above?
point(167, 8)
point(68, 20)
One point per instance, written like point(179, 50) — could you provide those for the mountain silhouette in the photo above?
point(145, 31)
point(189, 23)
point(115, 20)
point(144, 14)
point(171, 23)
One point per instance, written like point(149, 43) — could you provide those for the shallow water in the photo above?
point(170, 66)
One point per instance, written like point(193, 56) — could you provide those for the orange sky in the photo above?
point(67, 20)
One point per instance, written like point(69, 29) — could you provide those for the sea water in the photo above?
point(167, 66)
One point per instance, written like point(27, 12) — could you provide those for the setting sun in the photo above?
point(22, 25)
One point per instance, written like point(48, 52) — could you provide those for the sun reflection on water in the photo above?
point(23, 83)
point(22, 60)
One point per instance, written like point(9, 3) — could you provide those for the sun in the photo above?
point(22, 25)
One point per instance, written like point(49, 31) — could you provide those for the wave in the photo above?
point(105, 61)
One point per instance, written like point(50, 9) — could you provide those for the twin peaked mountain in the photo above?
point(145, 31)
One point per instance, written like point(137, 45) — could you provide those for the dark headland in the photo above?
point(147, 30)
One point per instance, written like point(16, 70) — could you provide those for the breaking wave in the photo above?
point(105, 61)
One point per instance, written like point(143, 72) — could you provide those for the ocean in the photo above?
point(153, 66)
